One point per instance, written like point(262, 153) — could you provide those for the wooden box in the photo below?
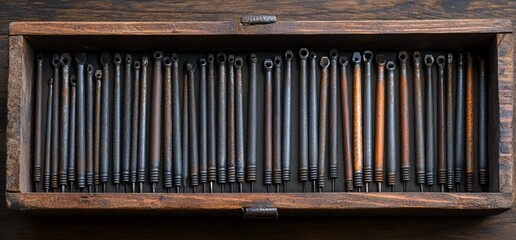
point(492, 35)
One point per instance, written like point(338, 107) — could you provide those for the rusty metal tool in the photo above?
point(441, 123)
point(212, 123)
point(419, 127)
point(276, 122)
point(105, 60)
point(176, 125)
point(239, 119)
point(167, 126)
point(450, 124)
point(303, 118)
point(482, 125)
point(142, 128)
point(185, 136)
point(379, 145)
point(286, 120)
point(347, 141)
point(72, 160)
point(323, 123)
point(252, 123)
point(48, 136)
point(97, 133)
point(333, 138)
point(155, 140)
point(368, 118)
point(267, 136)
point(429, 122)
point(126, 122)
point(231, 150)
point(38, 124)
point(117, 120)
point(222, 121)
point(313, 134)
point(470, 122)
point(90, 127)
point(392, 151)
point(65, 121)
point(459, 121)
point(203, 122)
point(134, 125)
point(54, 170)
point(358, 157)
point(80, 109)
point(404, 116)
point(192, 125)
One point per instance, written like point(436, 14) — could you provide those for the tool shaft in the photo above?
point(252, 120)
point(450, 123)
point(404, 117)
point(65, 120)
point(470, 122)
point(117, 118)
point(430, 123)
point(347, 141)
point(192, 125)
point(323, 122)
point(392, 151)
point(142, 128)
point(358, 153)
point(212, 121)
point(48, 136)
point(72, 154)
point(97, 133)
point(222, 120)
point(441, 122)
point(231, 148)
point(379, 152)
point(239, 118)
point(155, 140)
point(368, 116)
point(167, 125)
point(303, 115)
point(135, 121)
point(80, 109)
point(105, 119)
point(276, 121)
point(55, 122)
point(203, 123)
point(126, 128)
point(333, 137)
point(90, 126)
point(286, 117)
point(482, 124)
point(313, 148)
point(38, 122)
point(185, 137)
point(267, 162)
point(176, 124)
point(459, 120)
point(419, 126)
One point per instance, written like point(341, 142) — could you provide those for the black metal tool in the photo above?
point(286, 120)
point(460, 126)
point(48, 136)
point(176, 125)
point(134, 125)
point(167, 126)
point(192, 125)
point(65, 121)
point(303, 118)
point(239, 119)
point(231, 148)
point(441, 123)
point(267, 136)
point(185, 136)
point(404, 116)
point(252, 126)
point(80, 109)
point(358, 153)
point(97, 133)
point(203, 123)
point(313, 133)
point(212, 123)
point(347, 140)
point(222, 121)
point(90, 126)
point(38, 124)
point(379, 145)
point(333, 140)
point(104, 120)
point(126, 123)
point(276, 123)
point(392, 151)
point(368, 118)
point(54, 170)
point(72, 163)
point(155, 140)
point(142, 128)
point(429, 121)
point(482, 125)
point(450, 124)
point(117, 120)
point(419, 127)
point(323, 123)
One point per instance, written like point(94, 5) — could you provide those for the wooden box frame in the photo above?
point(26, 36)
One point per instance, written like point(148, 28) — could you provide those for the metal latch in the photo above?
point(257, 19)
point(260, 212)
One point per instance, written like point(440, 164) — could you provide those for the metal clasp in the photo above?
point(260, 212)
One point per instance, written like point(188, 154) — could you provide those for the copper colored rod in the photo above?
point(429, 121)
point(134, 125)
point(459, 122)
point(203, 123)
point(346, 124)
point(97, 133)
point(252, 126)
point(441, 124)
point(48, 136)
point(38, 123)
point(126, 123)
point(105, 143)
point(155, 140)
point(72, 163)
point(212, 123)
point(470, 118)
point(323, 123)
point(222, 121)
point(142, 128)
point(276, 121)
point(267, 136)
point(419, 126)
point(65, 121)
point(185, 136)
point(358, 153)
point(117, 120)
point(176, 126)
point(231, 150)
point(392, 151)
point(303, 118)
point(333, 140)
point(404, 117)
point(450, 124)
point(379, 145)
point(312, 120)
point(368, 118)
point(80, 109)
point(286, 120)
point(482, 125)
point(239, 116)
point(90, 126)
point(55, 123)
point(167, 125)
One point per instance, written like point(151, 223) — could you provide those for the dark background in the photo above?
point(17, 226)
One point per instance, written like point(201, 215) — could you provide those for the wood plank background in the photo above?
point(17, 226)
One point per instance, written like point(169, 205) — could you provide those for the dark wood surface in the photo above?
point(17, 226)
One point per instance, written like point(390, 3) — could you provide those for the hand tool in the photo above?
point(222, 121)
point(212, 123)
point(276, 121)
point(368, 118)
point(72, 163)
point(430, 120)
point(392, 151)
point(252, 125)
point(470, 122)
point(97, 142)
point(142, 128)
point(117, 120)
point(239, 128)
point(185, 136)
point(80, 58)
point(482, 125)
point(441, 124)
point(333, 140)
point(358, 152)
point(323, 123)
point(155, 140)
point(286, 120)
point(90, 127)
point(459, 121)
point(176, 125)
point(38, 123)
point(192, 125)
point(203, 122)
point(65, 120)
point(167, 125)
point(134, 125)
point(379, 145)
point(104, 120)
point(231, 165)
point(312, 121)
point(346, 124)
point(267, 136)
point(303, 118)
point(419, 128)
point(126, 123)
point(48, 136)
point(450, 123)
point(404, 116)
point(54, 170)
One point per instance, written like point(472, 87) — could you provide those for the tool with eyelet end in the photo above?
point(54, 169)
point(276, 121)
point(333, 137)
point(142, 128)
point(392, 151)
point(404, 114)
point(239, 119)
point(48, 136)
point(441, 124)
point(193, 146)
point(117, 120)
point(450, 124)
point(267, 136)
point(459, 121)
point(167, 125)
point(90, 127)
point(419, 128)
point(134, 125)
point(80, 109)
point(303, 118)
point(155, 140)
point(252, 123)
point(176, 126)
point(222, 121)
point(105, 60)
point(97, 133)
point(347, 140)
point(72, 154)
point(231, 151)
point(126, 123)
point(212, 123)
point(379, 145)
point(286, 120)
point(482, 125)
point(470, 122)
point(358, 157)
point(38, 124)
point(203, 122)
point(312, 121)
point(429, 121)
point(323, 123)
point(65, 122)
point(368, 118)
